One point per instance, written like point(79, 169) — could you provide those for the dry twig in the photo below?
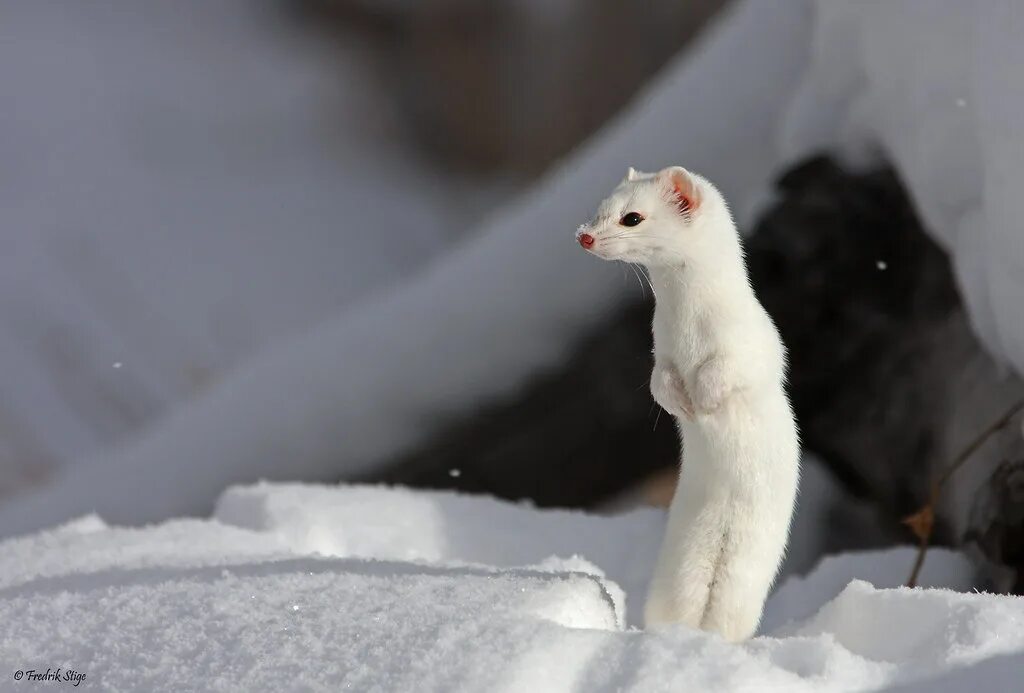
point(922, 523)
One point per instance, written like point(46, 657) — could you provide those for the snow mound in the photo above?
point(938, 94)
point(922, 630)
point(367, 588)
point(437, 526)
point(798, 597)
point(299, 624)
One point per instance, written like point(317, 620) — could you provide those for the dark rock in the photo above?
point(997, 522)
point(857, 331)
point(571, 438)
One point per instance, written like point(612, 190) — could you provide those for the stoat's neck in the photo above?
point(723, 285)
point(668, 280)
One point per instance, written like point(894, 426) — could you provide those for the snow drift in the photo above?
point(320, 588)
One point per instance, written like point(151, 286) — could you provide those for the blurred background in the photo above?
point(185, 183)
point(330, 240)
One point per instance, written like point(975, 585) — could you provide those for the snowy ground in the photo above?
point(364, 588)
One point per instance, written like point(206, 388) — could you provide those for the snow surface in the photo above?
point(293, 587)
point(937, 93)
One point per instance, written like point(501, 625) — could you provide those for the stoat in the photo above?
point(720, 369)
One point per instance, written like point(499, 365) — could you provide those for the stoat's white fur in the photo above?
point(719, 368)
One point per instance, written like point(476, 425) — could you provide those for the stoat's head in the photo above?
point(672, 217)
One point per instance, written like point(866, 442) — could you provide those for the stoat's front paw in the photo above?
point(711, 386)
point(669, 391)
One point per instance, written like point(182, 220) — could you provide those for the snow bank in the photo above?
point(799, 596)
point(323, 588)
point(937, 93)
point(295, 625)
point(1000, 673)
point(451, 528)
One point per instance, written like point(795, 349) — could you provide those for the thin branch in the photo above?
point(922, 523)
point(995, 427)
point(922, 549)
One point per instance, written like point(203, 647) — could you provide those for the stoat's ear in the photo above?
point(631, 175)
point(683, 188)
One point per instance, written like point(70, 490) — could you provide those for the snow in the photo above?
point(359, 624)
point(302, 587)
point(938, 95)
point(798, 597)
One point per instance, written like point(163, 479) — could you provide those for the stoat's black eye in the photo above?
point(631, 219)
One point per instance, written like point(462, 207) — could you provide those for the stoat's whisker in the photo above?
point(643, 291)
point(640, 275)
point(627, 235)
point(640, 241)
point(646, 276)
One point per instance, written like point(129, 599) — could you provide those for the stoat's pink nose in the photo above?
point(586, 240)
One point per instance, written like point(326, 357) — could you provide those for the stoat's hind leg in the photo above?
point(680, 590)
point(740, 584)
point(679, 598)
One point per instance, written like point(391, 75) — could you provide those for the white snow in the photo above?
point(293, 587)
point(937, 93)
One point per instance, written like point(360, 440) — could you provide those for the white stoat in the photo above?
point(719, 368)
